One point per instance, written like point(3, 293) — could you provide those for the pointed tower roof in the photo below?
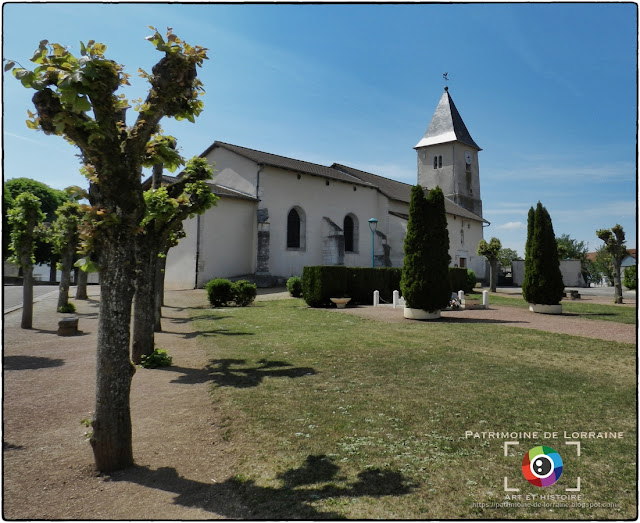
point(446, 125)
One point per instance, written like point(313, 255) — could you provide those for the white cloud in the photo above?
point(511, 226)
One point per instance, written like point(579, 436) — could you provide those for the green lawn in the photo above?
point(590, 311)
point(334, 416)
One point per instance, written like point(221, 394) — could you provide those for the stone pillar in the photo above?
point(396, 298)
point(460, 296)
point(264, 237)
point(485, 299)
point(376, 298)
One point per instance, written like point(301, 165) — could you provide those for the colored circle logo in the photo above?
point(542, 466)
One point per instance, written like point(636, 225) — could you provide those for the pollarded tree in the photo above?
point(76, 98)
point(65, 239)
point(542, 283)
point(23, 217)
point(165, 209)
point(614, 243)
point(491, 251)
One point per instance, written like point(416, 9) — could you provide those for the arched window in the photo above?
point(296, 229)
point(435, 162)
point(439, 161)
point(350, 228)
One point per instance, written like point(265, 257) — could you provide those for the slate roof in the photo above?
point(402, 192)
point(290, 164)
point(446, 125)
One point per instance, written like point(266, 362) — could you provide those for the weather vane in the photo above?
point(446, 79)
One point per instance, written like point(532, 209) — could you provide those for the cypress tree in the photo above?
point(542, 277)
point(437, 253)
point(425, 273)
point(413, 283)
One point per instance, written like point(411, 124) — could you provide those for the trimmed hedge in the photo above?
point(322, 282)
point(362, 281)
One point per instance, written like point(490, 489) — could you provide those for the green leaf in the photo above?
point(83, 49)
point(8, 66)
point(81, 104)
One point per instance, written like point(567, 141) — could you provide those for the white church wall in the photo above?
point(464, 236)
point(180, 271)
point(228, 239)
point(281, 190)
point(233, 171)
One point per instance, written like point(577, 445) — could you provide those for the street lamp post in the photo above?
point(373, 225)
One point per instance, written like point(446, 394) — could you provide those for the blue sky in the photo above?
point(549, 91)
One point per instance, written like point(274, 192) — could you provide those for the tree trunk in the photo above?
point(27, 297)
point(159, 301)
point(493, 275)
point(144, 306)
point(111, 439)
point(65, 279)
point(617, 280)
point(53, 270)
point(81, 288)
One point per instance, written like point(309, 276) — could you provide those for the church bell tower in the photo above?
point(448, 157)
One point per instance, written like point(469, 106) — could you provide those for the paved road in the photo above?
point(12, 295)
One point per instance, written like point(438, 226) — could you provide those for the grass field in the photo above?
point(333, 416)
point(590, 311)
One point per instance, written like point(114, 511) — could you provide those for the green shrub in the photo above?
point(158, 358)
point(294, 286)
point(219, 292)
point(630, 280)
point(458, 279)
point(320, 283)
point(69, 307)
point(244, 293)
point(362, 281)
point(471, 281)
point(542, 277)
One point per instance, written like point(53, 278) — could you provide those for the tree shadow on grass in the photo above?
point(30, 362)
point(238, 498)
point(235, 373)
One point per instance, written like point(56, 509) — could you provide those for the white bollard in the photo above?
point(396, 298)
point(460, 296)
point(485, 299)
point(376, 298)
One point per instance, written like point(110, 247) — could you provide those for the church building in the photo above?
point(275, 215)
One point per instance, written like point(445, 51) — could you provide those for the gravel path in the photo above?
point(512, 317)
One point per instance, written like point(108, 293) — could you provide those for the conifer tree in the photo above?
point(425, 273)
point(437, 252)
point(413, 283)
point(542, 277)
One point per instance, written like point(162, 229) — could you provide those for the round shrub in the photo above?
point(294, 286)
point(220, 292)
point(244, 292)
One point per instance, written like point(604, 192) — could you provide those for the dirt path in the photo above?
point(513, 317)
point(49, 386)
